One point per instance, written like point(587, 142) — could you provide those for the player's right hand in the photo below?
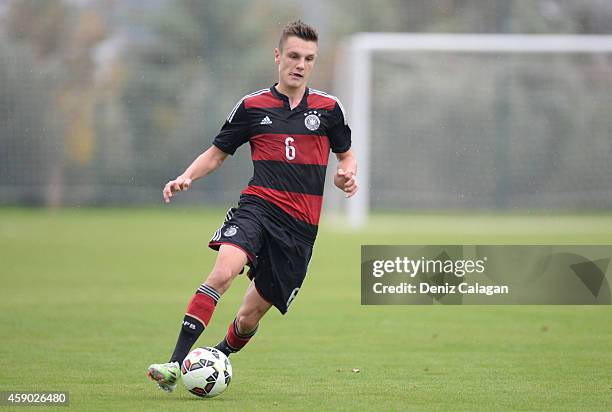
point(177, 185)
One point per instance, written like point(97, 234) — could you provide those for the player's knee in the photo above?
point(221, 277)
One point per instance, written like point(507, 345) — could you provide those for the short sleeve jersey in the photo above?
point(290, 150)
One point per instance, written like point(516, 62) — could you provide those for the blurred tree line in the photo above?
point(102, 101)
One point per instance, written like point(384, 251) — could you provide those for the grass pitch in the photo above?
point(90, 297)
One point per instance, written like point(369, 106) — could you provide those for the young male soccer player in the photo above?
point(290, 129)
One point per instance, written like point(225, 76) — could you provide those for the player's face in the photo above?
point(295, 62)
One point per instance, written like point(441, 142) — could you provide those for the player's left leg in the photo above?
point(245, 325)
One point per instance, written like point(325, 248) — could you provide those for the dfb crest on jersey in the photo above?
point(230, 231)
point(312, 121)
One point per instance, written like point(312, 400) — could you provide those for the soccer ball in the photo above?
point(206, 372)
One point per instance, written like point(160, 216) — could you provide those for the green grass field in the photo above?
point(90, 297)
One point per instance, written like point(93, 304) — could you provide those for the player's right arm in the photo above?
point(233, 134)
point(203, 165)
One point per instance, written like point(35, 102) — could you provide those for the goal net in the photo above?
point(455, 122)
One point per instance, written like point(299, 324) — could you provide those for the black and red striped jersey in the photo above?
point(290, 151)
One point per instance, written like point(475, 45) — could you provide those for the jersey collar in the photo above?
point(303, 104)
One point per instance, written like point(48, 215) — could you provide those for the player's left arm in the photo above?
point(346, 173)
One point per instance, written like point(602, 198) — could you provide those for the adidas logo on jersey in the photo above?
point(266, 120)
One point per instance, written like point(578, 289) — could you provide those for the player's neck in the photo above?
point(295, 95)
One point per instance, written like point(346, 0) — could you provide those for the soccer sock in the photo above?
point(234, 340)
point(199, 311)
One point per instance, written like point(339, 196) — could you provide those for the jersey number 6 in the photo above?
point(289, 150)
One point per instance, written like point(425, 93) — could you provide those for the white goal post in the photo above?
point(353, 79)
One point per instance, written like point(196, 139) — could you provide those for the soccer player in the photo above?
point(291, 129)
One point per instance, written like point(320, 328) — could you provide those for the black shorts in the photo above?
point(278, 260)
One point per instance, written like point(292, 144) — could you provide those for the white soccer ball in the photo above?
point(206, 372)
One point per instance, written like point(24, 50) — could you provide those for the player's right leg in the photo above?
point(230, 262)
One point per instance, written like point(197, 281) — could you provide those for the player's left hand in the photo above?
point(345, 181)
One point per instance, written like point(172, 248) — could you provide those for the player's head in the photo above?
point(296, 54)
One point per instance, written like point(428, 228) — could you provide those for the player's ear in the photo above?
point(277, 54)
